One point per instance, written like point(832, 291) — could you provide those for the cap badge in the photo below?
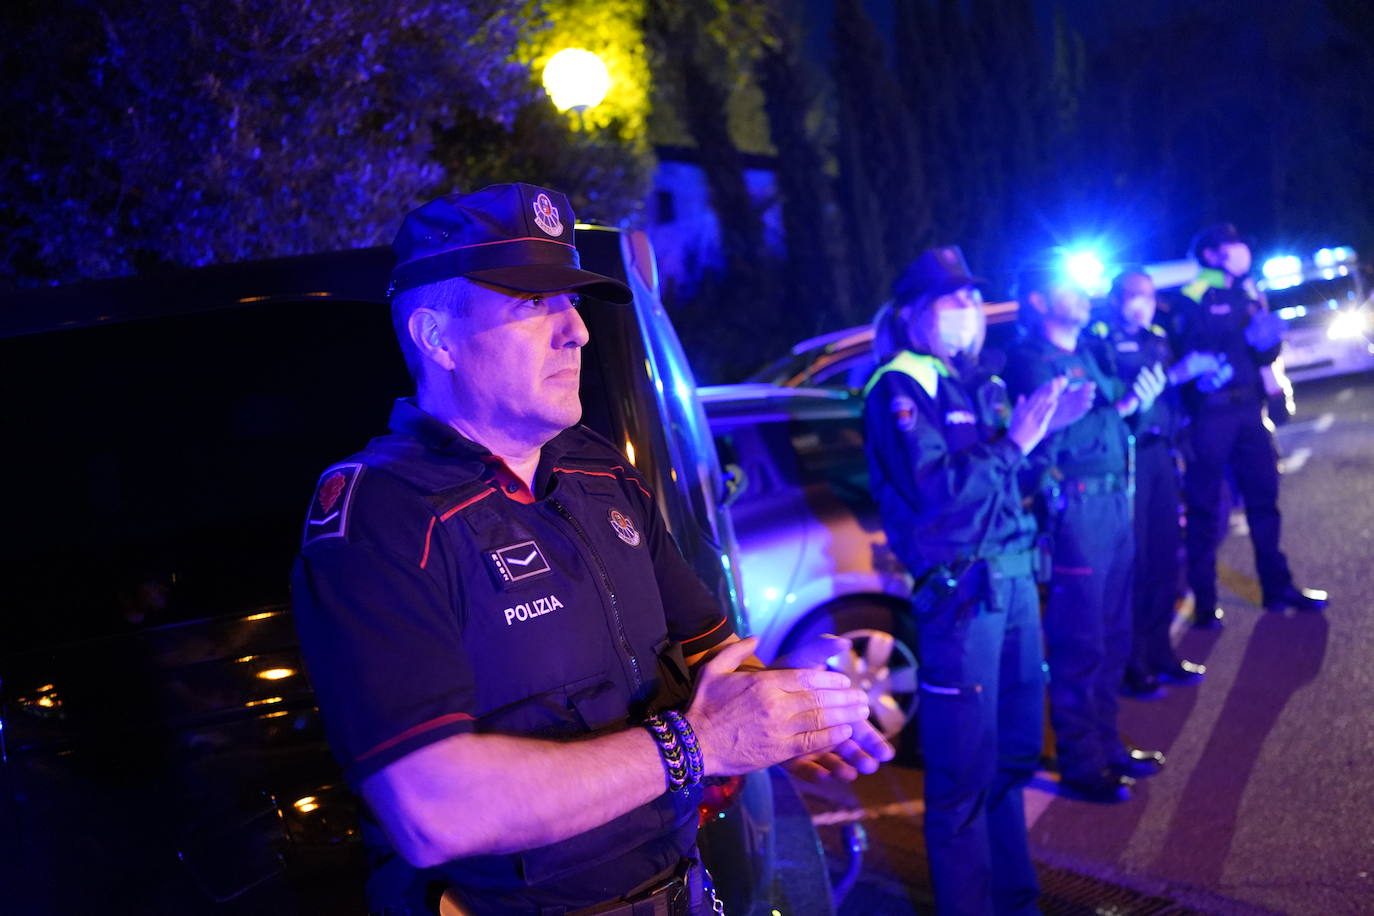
point(624, 528)
point(546, 215)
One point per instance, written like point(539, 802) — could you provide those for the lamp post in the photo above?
point(576, 79)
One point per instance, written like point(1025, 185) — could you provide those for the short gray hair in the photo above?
point(452, 297)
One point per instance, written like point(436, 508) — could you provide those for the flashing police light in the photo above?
point(1283, 271)
point(1348, 325)
point(1087, 271)
point(577, 79)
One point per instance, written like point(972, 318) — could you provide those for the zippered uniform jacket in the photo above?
point(436, 595)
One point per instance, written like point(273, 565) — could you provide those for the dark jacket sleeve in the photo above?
point(380, 631)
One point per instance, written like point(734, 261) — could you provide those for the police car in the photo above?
point(160, 749)
point(1325, 300)
point(812, 552)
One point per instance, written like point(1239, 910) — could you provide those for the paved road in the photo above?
point(1267, 803)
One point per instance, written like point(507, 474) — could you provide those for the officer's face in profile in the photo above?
point(1067, 304)
point(1232, 257)
point(1136, 300)
point(517, 360)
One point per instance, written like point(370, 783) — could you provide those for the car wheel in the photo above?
point(881, 659)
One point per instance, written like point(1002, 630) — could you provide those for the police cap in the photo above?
point(514, 235)
point(937, 272)
point(1213, 237)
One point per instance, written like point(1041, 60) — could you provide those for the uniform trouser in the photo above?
point(1088, 629)
point(1233, 435)
point(981, 724)
point(1157, 543)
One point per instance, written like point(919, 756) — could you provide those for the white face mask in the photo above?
point(958, 328)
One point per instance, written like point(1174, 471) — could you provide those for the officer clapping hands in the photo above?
point(1032, 416)
point(1149, 384)
point(746, 720)
point(864, 752)
point(1265, 331)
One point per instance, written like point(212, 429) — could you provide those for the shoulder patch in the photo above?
point(328, 514)
point(904, 412)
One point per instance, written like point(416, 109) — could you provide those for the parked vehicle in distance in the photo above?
point(1326, 302)
point(160, 748)
point(813, 555)
point(844, 359)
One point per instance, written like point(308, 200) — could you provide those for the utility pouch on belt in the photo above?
point(935, 588)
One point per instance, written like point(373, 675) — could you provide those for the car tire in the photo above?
point(882, 660)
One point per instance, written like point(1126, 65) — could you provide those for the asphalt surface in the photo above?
point(1267, 802)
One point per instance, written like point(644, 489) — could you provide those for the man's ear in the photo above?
point(1038, 302)
point(427, 328)
point(1211, 257)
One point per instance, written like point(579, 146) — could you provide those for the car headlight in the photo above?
point(1348, 325)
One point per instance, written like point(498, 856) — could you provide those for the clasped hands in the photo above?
point(796, 713)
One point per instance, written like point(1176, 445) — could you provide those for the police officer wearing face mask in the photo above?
point(1080, 474)
point(1132, 343)
point(1222, 312)
point(944, 447)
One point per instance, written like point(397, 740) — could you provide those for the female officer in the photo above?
point(944, 446)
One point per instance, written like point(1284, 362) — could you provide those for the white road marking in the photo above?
point(1295, 461)
point(1038, 795)
point(1319, 425)
point(911, 808)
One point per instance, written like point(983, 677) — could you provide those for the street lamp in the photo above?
point(576, 79)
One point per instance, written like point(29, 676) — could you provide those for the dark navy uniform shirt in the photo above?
point(940, 462)
point(1094, 446)
point(436, 595)
point(1125, 353)
point(1212, 318)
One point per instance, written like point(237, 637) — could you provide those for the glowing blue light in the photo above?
point(1087, 271)
point(1282, 266)
point(1283, 271)
point(1288, 313)
point(1343, 253)
point(770, 594)
point(1324, 257)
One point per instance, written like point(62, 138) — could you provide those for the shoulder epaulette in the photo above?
point(1099, 329)
point(1158, 331)
point(924, 369)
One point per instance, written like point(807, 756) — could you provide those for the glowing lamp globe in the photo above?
point(576, 79)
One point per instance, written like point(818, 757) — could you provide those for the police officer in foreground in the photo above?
point(1133, 343)
point(944, 446)
point(1080, 476)
point(1222, 312)
point(520, 674)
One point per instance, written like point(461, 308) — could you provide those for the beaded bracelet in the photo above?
point(689, 744)
point(670, 749)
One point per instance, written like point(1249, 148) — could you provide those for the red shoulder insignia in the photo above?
point(328, 515)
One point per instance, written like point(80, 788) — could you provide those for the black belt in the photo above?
point(671, 894)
